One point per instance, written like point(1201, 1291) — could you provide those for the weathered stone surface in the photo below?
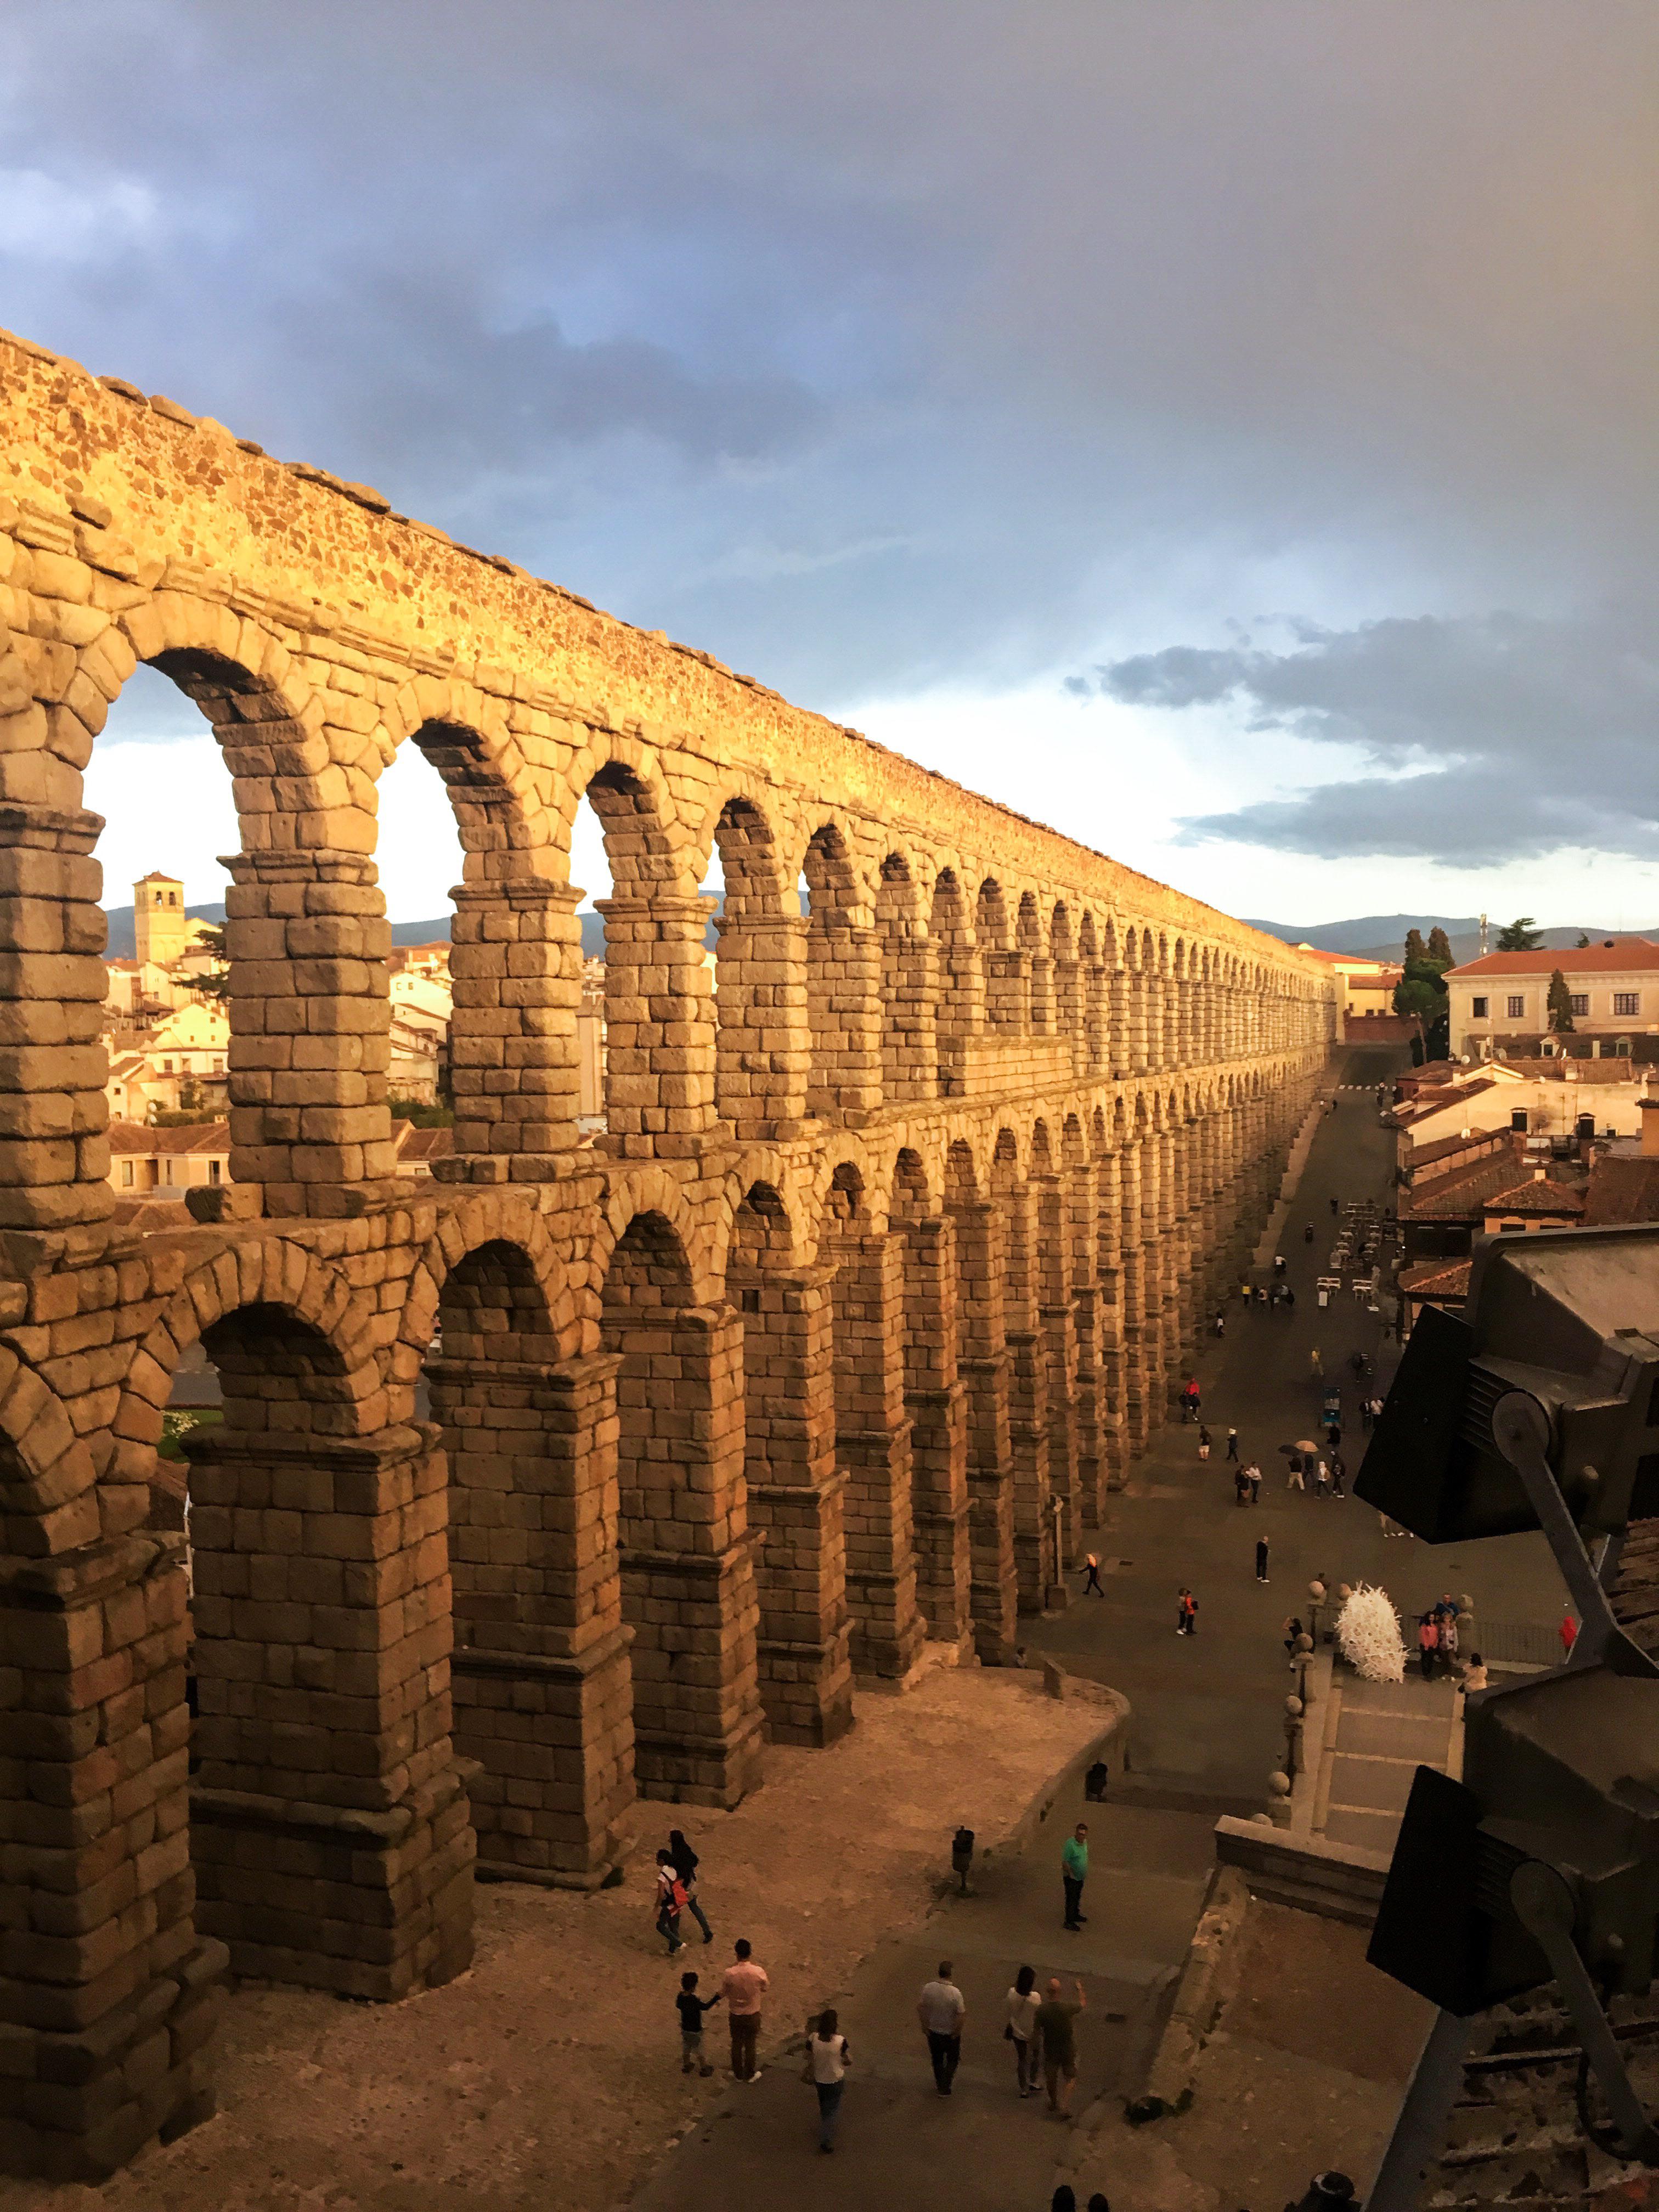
point(889, 1255)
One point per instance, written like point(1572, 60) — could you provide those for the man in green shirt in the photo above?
point(1075, 1872)
point(1053, 2025)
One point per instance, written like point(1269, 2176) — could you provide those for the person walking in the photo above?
point(671, 1899)
point(742, 1985)
point(827, 2059)
point(1191, 1399)
point(1307, 1234)
point(1262, 1558)
point(1322, 1480)
point(1315, 1366)
point(1092, 1582)
point(685, 1865)
point(1204, 1443)
point(1294, 1481)
point(1056, 2025)
point(1241, 1487)
point(1278, 1263)
point(941, 2009)
point(1188, 1604)
point(1332, 1206)
point(691, 2007)
point(1221, 1324)
point(1232, 1443)
point(1253, 1476)
point(1075, 1872)
point(1021, 2028)
point(1289, 1299)
point(1339, 1475)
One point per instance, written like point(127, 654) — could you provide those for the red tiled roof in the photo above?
point(1436, 1281)
point(1625, 956)
point(1536, 1195)
point(1441, 1148)
point(1622, 1191)
point(189, 1137)
point(1463, 1196)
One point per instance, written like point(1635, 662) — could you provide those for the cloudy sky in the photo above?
point(1225, 432)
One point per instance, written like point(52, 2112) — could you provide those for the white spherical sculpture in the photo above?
point(1367, 1636)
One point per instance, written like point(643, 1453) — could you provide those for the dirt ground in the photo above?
point(1303, 2071)
point(548, 2074)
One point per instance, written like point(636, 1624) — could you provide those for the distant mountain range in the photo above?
point(1383, 936)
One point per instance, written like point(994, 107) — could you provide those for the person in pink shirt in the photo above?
point(742, 1984)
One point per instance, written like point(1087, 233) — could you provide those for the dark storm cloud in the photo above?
point(876, 346)
point(1503, 736)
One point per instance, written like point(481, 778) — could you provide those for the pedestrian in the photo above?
point(1567, 1630)
point(685, 1865)
point(1054, 2021)
point(1262, 1558)
point(1242, 1485)
point(1293, 1480)
point(1449, 1643)
point(1261, 1294)
point(1191, 1399)
point(1294, 1631)
point(1204, 1443)
point(671, 1900)
point(1333, 1435)
point(962, 1857)
point(1064, 2198)
point(1377, 1410)
point(1075, 1872)
point(1322, 1480)
point(826, 2058)
point(1253, 1473)
point(1098, 2203)
point(1289, 1299)
point(1221, 1324)
point(1020, 2028)
point(691, 2007)
point(1315, 1366)
point(1332, 1206)
point(1095, 1782)
point(1366, 1416)
point(1357, 1363)
point(742, 1985)
point(1428, 1642)
point(1189, 1612)
point(1339, 1475)
point(1244, 1291)
point(942, 2008)
point(1093, 1581)
point(1307, 1234)
point(1475, 1674)
point(1278, 1263)
point(1232, 1443)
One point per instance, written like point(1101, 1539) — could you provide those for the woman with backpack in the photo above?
point(671, 1902)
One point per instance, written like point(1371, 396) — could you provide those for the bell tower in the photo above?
point(160, 930)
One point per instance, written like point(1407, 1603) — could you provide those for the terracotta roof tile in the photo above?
point(1625, 956)
point(1622, 1191)
point(1436, 1281)
point(1538, 1194)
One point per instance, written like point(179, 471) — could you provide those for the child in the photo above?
point(691, 2008)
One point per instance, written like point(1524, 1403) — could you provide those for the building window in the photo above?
point(1517, 1007)
point(126, 1174)
point(1478, 1010)
point(1518, 1119)
point(1578, 1004)
point(1512, 1228)
point(1627, 1002)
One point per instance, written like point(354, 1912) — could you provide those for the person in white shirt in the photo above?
point(827, 2060)
point(1023, 2002)
point(941, 2010)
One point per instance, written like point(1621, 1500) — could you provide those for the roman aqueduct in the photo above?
point(817, 1366)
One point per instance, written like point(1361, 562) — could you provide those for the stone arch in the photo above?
point(909, 990)
point(911, 1195)
point(47, 1473)
point(484, 1218)
point(465, 736)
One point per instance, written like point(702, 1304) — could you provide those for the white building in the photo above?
point(1500, 1006)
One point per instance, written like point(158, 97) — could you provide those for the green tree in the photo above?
point(1583, 942)
point(210, 938)
point(1560, 1003)
point(1521, 935)
point(1440, 947)
point(1415, 948)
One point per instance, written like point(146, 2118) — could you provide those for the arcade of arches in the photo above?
point(819, 1366)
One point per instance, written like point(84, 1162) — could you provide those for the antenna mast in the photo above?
point(1483, 937)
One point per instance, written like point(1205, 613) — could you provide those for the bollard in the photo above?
point(1293, 1737)
point(1316, 1599)
point(1304, 1660)
point(1278, 1800)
